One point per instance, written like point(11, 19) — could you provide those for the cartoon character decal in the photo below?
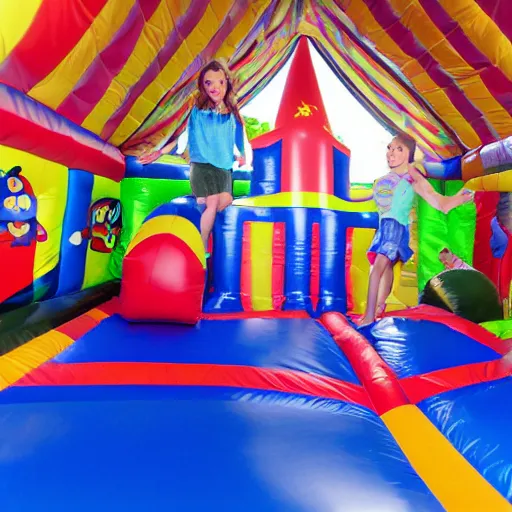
point(18, 211)
point(104, 226)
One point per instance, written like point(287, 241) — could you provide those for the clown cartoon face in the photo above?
point(18, 210)
point(104, 226)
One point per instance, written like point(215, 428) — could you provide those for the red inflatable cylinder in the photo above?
point(163, 281)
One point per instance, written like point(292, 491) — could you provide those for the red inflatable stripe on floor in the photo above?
point(376, 376)
point(172, 374)
point(255, 314)
point(420, 387)
point(110, 307)
point(78, 327)
point(469, 329)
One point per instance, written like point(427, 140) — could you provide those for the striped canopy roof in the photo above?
point(124, 69)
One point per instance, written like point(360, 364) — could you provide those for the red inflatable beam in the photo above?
point(183, 374)
point(376, 376)
point(457, 323)
point(31, 127)
point(420, 387)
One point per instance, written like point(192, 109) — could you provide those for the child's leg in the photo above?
point(379, 268)
point(208, 218)
point(225, 200)
point(386, 285)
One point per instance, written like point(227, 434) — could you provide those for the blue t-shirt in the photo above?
point(212, 138)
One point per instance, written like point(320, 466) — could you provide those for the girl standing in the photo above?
point(394, 194)
point(215, 131)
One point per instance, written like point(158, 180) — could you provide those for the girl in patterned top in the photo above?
point(394, 194)
point(451, 261)
point(214, 133)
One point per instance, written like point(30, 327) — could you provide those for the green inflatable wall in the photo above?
point(436, 230)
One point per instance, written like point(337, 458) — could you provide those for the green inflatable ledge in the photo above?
point(500, 328)
point(140, 196)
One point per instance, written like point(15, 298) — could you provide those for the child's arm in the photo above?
point(442, 203)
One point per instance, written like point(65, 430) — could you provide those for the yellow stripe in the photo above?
point(362, 17)
point(16, 364)
point(497, 182)
point(174, 225)
point(14, 23)
point(198, 39)
point(484, 34)
point(360, 267)
point(153, 37)
point(307, 200)
point(455, 483)
point(261, 265)
point(417, 20)
point(54, 88)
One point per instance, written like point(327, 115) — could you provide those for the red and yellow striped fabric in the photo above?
point(124, 69)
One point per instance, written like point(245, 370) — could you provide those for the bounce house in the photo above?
point(138, 374)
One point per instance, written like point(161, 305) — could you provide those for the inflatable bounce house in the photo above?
point(137, 374)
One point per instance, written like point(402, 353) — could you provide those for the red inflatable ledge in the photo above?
point(29, 126)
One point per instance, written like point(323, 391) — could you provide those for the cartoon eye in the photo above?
point(14, 184)
point(10, 202)
point(24, 202)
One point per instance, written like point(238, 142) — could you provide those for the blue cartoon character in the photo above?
point(18, 210)
point(104, 226)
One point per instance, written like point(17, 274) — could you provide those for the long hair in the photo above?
point(409, 143)
point(203, 101)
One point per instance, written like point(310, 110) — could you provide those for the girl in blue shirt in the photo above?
point(214, 132)
point(394, 194)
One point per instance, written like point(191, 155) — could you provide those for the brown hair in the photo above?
point(203, 101)
point(409, 143)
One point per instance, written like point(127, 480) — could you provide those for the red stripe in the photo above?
point(391, 23)
point(79, 326)
point(63, 147)
point(420, 387)
point(483, 260)
point(278, 265)
point(314, 279)
point(181, 374)
point(457, 323)
point(376, 376)
point(54, 32)
point(245, 277)
point(499, 12)
point(348, 266)
point(255, 314)
point(492, 76)
point(184, 26)
point(110, 307)
point(107, 64)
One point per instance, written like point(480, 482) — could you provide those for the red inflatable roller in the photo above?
point(164, 273)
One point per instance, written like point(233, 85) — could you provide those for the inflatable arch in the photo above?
point(135, 373)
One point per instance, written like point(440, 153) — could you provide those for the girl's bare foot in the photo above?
point(366, 320)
